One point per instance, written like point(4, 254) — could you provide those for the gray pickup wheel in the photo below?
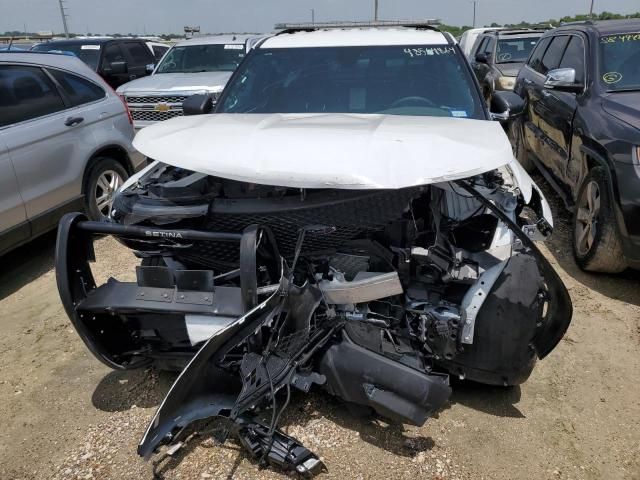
point(596, 241)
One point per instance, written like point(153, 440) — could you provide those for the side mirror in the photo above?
point(150, 68)
point(563, 80)
point(506, 105)
point(116, 68)
point(482, 58)
point(200, 104)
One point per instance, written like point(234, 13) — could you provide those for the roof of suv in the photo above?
point(605, 27)
point(216, 40)
point(515, 32)
point(360, 36)
point(67, 62)
point(88, 41)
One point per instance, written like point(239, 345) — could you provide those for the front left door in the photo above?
point(554, 112)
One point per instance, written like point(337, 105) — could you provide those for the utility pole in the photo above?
point(591, 10)
point(313, 16)
point(375, 10)
point(474, 12)
point(63, 13)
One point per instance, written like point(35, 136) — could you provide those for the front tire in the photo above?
point(105, 177)
point(596, 241)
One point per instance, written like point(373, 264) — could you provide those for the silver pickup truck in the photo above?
point(195, 66)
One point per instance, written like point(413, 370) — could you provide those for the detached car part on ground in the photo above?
point(373, 280)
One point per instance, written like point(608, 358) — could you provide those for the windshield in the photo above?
point(399, 80)
point(620, 61)
point(515, 50)
point(89, 54)
point(202, 58)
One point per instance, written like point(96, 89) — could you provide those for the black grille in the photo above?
point(353, 215)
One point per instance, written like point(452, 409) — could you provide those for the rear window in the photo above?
point(515, 50)
point(88, 53)
point(425, 80)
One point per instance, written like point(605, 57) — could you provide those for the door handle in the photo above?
point(528, 82)
point(71, 121)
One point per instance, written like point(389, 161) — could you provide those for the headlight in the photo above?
point(507, 83)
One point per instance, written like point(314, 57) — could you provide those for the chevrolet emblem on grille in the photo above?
point(162, 107)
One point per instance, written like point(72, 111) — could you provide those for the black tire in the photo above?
point(97, 197)
point(516, 135)
point(596, 240)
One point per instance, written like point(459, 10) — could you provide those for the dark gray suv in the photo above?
point(65, 143)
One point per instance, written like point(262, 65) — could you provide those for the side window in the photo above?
point(79, 90)
point(112, 53)
point(158, 52)
point(482, 43)
point(574, 57)
point(551, 59)
point(26, 93)
point(490, 46)
point(535, 62)
point(140, 54)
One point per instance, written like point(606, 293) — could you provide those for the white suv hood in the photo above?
point(177, 82)
point(328, 150)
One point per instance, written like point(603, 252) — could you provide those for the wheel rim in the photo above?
point(587, 218)
point(106, 186)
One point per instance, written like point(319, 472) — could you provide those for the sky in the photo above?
point(216, 16)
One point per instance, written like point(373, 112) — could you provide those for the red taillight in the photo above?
point(124, 102)
point(126, 107)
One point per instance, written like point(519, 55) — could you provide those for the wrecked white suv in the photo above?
point(349, 219)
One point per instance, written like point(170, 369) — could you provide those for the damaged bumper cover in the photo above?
point(379, 329)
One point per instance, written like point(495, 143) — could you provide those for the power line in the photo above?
point(64, 15)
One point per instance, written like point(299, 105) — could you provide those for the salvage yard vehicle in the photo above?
point(498, 56)
point(349, 219)
point(117, 60)
point(65, 144)
point(581, 129)
point(200, 65)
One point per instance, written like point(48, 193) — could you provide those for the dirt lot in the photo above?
point(64, 415)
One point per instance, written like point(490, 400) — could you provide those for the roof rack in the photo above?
point(430, 23)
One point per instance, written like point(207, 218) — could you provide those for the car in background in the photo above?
point(581, 128)
point(196, 66)
point(498, 56)
point(116, 60)
point(469, 37)
point(65, 143)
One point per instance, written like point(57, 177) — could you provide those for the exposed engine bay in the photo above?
point(375, 296)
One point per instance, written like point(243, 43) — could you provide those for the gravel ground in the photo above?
point(65, 416)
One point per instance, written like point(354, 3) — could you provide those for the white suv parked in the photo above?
point(196, 66)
